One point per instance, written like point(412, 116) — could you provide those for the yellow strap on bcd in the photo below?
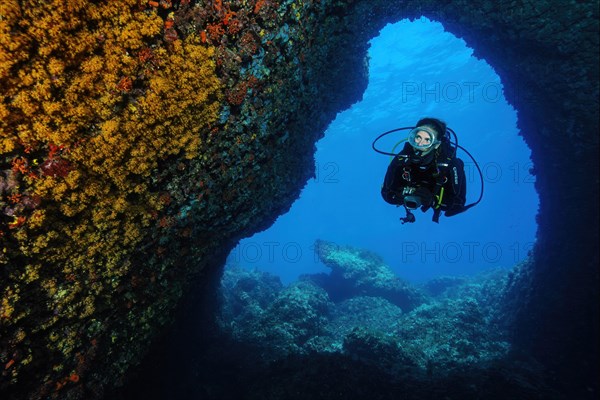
point(438, 198)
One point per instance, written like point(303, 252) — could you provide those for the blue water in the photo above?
point(416, 69)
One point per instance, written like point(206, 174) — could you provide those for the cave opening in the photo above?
point(416, 69)
point(293, 292)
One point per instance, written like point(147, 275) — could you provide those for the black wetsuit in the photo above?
point(437, 178)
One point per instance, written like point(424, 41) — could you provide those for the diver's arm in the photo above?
point(393, 184)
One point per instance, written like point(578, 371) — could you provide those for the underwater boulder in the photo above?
point(295, 321)
point(245, 295)
point(358, 272)
point(439, 285)
point(452, 334)
point(299, 313)
point(377, 349)
point(375, 313)
point(492, 291)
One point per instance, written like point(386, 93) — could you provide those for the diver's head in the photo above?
point(423, 139)
point(427, 135)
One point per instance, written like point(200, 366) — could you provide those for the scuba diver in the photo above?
point(426, 173)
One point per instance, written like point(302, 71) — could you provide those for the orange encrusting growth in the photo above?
point(92, 101)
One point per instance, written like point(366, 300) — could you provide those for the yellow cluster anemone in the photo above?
point(94, 99)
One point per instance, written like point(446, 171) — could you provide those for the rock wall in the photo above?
point(141, 140)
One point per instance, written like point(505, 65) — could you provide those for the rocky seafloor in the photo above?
point(339, 336)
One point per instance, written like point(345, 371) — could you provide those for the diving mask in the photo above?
point(422, 138)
